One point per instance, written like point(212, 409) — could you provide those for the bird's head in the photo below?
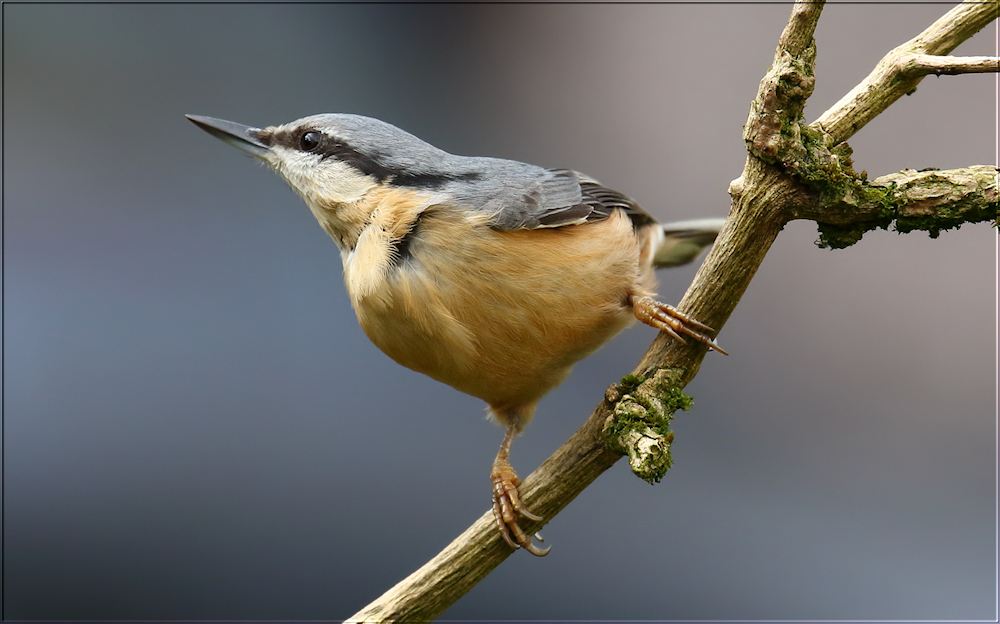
point(334, 159)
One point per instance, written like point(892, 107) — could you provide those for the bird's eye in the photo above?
point(310, 141)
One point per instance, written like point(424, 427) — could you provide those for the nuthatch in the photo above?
point(492, 276)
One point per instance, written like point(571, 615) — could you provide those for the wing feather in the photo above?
point(561, 197)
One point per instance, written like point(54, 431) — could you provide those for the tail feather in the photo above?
point(684, 240)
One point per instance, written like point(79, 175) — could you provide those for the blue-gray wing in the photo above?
point(534, 198)
point(604, 201)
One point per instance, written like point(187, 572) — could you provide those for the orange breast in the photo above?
point(503, 316)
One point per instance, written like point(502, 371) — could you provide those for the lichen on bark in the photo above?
point(928, 200)
point(639, 425)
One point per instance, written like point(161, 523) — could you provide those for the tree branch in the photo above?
point(969, 194)
point(772, 189)
point(917, 65)
point(893, 77)
point(772, 125)
point(928, 200)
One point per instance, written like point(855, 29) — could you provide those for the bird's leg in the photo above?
point(671, 320)
point(506, 501)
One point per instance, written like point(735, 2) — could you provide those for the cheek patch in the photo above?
point(318, 180)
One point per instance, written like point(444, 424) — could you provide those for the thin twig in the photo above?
point(916, 65)
point(782, 94)
point(798, 33)
point(887, 82)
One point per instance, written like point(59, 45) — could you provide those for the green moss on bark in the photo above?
point(640, 423)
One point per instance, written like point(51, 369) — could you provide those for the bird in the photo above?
point(490, 275)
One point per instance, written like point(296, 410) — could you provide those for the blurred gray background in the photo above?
point(196, 427)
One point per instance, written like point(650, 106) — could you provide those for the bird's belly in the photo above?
point(503, 316)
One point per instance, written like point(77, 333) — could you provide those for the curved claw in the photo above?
point(507, 505)
point(714, 347)
point(536, 551)
point(672, 321)
point(539, 552)
point(663, 326)
point(674, 312)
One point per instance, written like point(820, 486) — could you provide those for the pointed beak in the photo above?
point(239, 136)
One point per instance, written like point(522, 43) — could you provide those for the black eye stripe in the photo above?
point(289, 139)
point(340, 150)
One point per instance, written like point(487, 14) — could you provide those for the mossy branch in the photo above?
point(640, 423)
point(930, 200)
point(791, 169)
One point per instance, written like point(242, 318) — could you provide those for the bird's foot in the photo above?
point(506, 503)
point(671, 320)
